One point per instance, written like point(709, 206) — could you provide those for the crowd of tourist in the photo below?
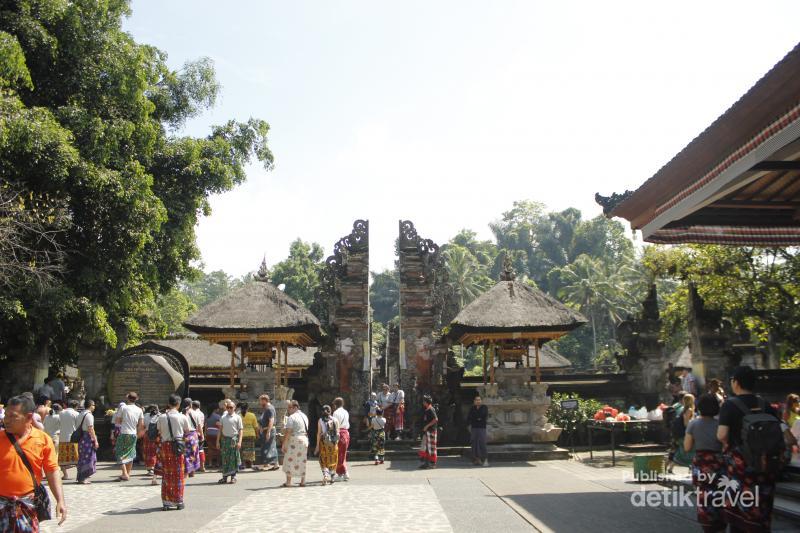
point(741, 439)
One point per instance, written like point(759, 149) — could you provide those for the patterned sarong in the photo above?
point(328, 457)
point(230, 456)
point(18, 515)
point(125, 448)
point(758, 488)
point(344, 443)
point(212, 453)
point(192, 451)
point(399, 417)
point(87, 457)
point(429, 441)
point(150, 452)
point(389, 414)
point(377, 440)
point(173, 478)
point(270, 448)
point(248, 449)
point(706, 469)
point(67, 453)
point(294, 463)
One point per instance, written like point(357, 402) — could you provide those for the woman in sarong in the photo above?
point(211, 432)
point(250, 430)
point(430, 421)
point(399, 411)
point(87, 446)
point(172, 426)
point(150, 440)
point(327, 444)
point(701, 438)
point(230, 442)
point(191, 440)
point(295, 445)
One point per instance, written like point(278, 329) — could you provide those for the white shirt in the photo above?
point(128, 417)
point(231, 424)
point(384, 399)
point(298, 423)
point(399, 396)
point(87, 420)
point(343, 417)
point(198, 417)
point(177, 421)
point(378, 422)
point(69, 422)
point(52, 425)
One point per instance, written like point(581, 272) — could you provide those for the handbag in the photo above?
point(178, 446)
point(77, 435)
point(41, 499)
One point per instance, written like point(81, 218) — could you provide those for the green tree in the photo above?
point(465, 274)
point(86, 115)
point(300, 271)
point(384, 294)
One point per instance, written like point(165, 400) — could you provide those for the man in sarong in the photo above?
point(17, 508)
point(430, 421)
point(172, 426)
point(754, 486)
point(130, 419)
point(343, 418)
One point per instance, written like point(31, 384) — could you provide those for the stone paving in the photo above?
point(509, 497)
point(420, 510)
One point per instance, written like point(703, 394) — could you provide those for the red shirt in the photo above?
point(15, 479)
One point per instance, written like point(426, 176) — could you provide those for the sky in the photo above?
point(446, 112)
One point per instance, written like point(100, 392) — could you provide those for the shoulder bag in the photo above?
point(77, 435)
point(41, 499)
point(178, 446)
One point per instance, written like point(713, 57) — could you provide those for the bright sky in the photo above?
point(446, 112)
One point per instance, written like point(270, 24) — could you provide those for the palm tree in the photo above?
point(466, 275)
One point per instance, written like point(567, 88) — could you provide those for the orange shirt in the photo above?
point(15, 479)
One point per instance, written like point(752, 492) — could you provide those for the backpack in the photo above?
point(762, 444)
point(152, 430)
point(677, 428)
point(331, 435)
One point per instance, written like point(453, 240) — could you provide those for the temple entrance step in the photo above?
point(402, 444)
point(787, 500)
point(405, 454)
point(503, 453)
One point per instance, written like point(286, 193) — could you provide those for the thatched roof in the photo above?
point(512, 306)
point(550, 358)
point(257, 307)
point(204, 356)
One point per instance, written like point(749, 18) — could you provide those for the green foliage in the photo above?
point(300, 271)
point(571, 421)
point(384, 294)
point(84, 118)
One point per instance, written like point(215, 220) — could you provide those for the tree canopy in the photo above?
point(89, 124)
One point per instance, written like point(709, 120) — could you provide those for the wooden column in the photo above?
point(538, 370)
point(286, 360)
point(233, 363)
point(491, 361)
point(484, 363)
point(528, 357)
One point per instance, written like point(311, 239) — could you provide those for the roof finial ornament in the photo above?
point(263, 273)
point(508, 273)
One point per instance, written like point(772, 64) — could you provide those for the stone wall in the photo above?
point(346, 369)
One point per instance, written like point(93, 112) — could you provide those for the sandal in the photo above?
point(222, 481)
point(286, 486)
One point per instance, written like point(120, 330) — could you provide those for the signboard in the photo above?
point(569, 405)
point(149, 375)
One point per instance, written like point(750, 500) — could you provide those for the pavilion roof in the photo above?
point(202, 355)
point(737, 182)
point(256, 308)
point(513, 307)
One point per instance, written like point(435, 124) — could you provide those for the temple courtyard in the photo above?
point(565, 495)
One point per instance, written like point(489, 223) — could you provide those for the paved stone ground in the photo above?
point(510, 497)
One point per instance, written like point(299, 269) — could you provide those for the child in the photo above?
point(377, 435)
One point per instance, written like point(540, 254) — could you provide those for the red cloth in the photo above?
point(399, 417)
point(389, 414)
point(344, 443)
point(173, 480)
point(150, 452)
point(430, 440)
